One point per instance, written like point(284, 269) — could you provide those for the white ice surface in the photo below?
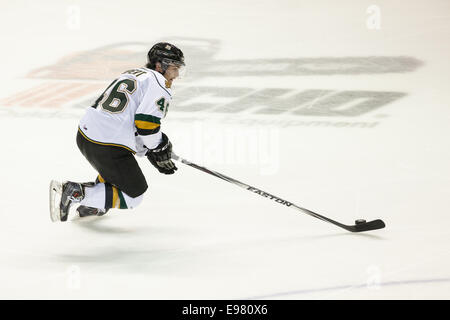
point(197, 237)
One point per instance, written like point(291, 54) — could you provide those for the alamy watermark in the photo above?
point(73, 21)
point(373, 21)
point(73, 277)
point(257, 146)
point(374, 277)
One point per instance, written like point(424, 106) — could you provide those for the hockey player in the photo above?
point(124, 121)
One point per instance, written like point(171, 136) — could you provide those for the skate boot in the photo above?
point(71, 192)
point(85, 211)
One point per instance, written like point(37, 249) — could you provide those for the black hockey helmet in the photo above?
point(166, 54)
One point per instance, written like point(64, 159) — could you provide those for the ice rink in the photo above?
point(341, 109)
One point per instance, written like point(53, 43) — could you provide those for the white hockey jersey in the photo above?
point(128, 114)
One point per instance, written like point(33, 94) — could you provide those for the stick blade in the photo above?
point(368, 226)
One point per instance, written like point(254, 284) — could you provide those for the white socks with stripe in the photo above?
point(95, 197)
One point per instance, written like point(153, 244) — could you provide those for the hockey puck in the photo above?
point(360, 221)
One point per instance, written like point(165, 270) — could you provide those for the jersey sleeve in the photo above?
point(148, 119)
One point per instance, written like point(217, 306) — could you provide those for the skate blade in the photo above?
point(55, 198)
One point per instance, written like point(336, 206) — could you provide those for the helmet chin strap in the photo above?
point(163, 70)
point(164, 67)
point(168, 82)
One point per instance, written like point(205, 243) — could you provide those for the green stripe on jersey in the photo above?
point(147, 117)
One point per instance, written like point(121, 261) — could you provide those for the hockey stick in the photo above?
point(359, 226)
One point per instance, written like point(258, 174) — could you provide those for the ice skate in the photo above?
point(84, 211)
point(61, 198)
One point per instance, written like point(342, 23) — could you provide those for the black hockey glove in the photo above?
point(160, 156)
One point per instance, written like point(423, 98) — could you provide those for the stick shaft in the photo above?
point(258, 191)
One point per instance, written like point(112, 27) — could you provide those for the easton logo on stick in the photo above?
point(268, 195)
